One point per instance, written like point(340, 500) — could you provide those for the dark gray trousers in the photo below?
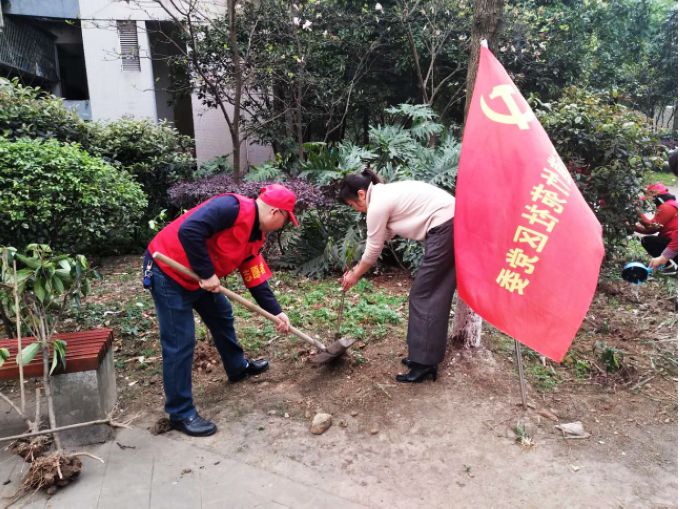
point(430, 298)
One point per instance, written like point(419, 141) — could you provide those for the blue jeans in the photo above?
point(174, 307)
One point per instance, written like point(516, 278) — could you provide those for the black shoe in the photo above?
point(418, 373)
point(195, 426)
point(253, 368)
point(670, 269)
point(407, 362)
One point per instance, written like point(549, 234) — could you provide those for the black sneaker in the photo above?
point(670, 269)
point(253, 368)
point(195, 426)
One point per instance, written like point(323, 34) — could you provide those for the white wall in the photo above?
point(114, 92)
point(213, 138)
point(141, 9)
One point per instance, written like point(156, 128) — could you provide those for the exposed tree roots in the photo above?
point(31, 448)
point(52, 472)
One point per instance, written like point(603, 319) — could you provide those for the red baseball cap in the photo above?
point(658, 187)
point(280, 197)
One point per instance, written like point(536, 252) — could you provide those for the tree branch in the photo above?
point(16, 409)
point(108, 421)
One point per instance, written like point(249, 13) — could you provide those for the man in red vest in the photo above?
point(214, 238)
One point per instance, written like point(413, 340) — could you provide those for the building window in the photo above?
point(129, 45)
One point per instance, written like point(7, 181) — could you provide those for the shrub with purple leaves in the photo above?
point(186, 195)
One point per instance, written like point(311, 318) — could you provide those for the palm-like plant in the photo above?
point(412, 146)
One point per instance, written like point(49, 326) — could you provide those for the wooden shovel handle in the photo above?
point(235, 296)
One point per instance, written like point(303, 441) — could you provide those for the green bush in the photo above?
point(156, 154)
point(607, 148)
point(33, 113)
point(59, 194)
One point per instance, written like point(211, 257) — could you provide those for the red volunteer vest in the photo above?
point(227, 249)
point(670, 229)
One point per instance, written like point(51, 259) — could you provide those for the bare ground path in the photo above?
point(447, 444)
point(431, 445)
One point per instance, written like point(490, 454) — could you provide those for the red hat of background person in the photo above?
point(280, 197)
point(658, 187)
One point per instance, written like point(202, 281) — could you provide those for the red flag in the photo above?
point(528, 247)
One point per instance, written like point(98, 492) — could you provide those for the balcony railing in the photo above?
point(27, 50)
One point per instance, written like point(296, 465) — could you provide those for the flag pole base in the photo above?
point(520, 370)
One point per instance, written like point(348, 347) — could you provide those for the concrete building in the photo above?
point(108, 59)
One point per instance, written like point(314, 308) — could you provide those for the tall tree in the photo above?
point(487, 22)
point(435, 34)
point(310, 61)
point(210, 52)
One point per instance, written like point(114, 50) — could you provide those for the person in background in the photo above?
point(214, 238)
point(661, 231)
point(417, 211)
point(673, 161)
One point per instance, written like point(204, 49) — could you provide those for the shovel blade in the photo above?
point(334, 351)
point(324, 357)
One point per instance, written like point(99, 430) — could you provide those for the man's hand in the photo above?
point(657, 262)
point(212, 284)
point(284, 323)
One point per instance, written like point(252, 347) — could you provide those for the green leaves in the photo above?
point(266, 172)
point(39, 290)
point(31, 263)
point(4, 355)
point(49, 284)
point(607, 148)
point(60, 194)
point(413, 147)
point(58, 354)
point(326, 164)
point(611, 357)
point(28, 353)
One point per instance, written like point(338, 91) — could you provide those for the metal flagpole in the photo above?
point(520, 370)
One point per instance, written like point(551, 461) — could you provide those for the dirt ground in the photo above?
point(463, 441)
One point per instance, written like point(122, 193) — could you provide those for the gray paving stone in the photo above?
point(9, 471)
point(167, 472)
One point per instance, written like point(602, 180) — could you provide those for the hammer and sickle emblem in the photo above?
point(515, 116)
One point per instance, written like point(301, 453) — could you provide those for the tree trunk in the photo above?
point(17, 315)
point(47, 383)
point(486, 25)
point(299, 132)
point(238, 91)
point(366, 127)
point(236, 153)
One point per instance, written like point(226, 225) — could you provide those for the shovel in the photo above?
point(325, 355)
point(340, 345)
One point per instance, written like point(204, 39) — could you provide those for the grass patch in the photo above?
point(666, 178)
point(545, 377)
point(611, 357)
point(370, 312)
point(131, 318)
point(582, 369)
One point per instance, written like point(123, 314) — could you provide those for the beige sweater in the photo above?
point(408, 209)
